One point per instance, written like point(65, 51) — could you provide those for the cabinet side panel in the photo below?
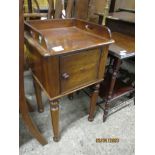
point(35, 62)
point(51, 73)
point(103, 61)
point(45, 69)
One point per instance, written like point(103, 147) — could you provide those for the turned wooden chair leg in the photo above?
point(117, 63)
point(93, 103)
point(54, 109)
point(38, 96)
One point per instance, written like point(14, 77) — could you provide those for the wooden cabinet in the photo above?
point(79, 69)
point(66, 56)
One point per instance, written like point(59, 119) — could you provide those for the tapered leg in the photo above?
point(93, 103)
point(116, 65)
point(38, 96)
point(54, 109)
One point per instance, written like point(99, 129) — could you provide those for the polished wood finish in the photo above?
point(93, 103)
point(122, 25)
point(124, 43)
point(79, 63)
point(54, 109)
point(77, 9)
point(22, 102)
point(43, 74)
point(35, 15)
point(38, 96)
point(117, 64)
point(69, 9)
point(76, 66)
point(81, 9)
point(120, 89)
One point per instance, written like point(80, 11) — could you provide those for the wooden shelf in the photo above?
point(120, 89)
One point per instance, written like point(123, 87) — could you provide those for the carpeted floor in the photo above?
point(78, 135)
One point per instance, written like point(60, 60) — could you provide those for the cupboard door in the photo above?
point(78, 69)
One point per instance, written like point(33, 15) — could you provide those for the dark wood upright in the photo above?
point(66, 56)
point(22, 102)
point(122, 25)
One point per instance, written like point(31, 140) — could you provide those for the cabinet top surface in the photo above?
point(70, 38)
point(63, 36)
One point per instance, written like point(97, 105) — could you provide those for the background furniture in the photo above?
point(67, 56)
point(122, 21)
point(122, 25)
point(113, 85)
point(22, 102)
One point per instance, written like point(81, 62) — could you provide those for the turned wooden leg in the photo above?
point(93, 103)
point(117, 63)
point(38, 96)
point(54, 109)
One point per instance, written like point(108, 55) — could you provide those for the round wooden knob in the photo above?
point(65, 76)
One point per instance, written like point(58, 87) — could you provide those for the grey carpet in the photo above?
point(78, 136)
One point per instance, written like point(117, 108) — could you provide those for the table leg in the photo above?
point(116, 66)
point(38, 96)
point(93, 103)
point(54, 109)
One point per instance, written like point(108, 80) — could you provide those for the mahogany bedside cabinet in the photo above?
point(66, 55)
